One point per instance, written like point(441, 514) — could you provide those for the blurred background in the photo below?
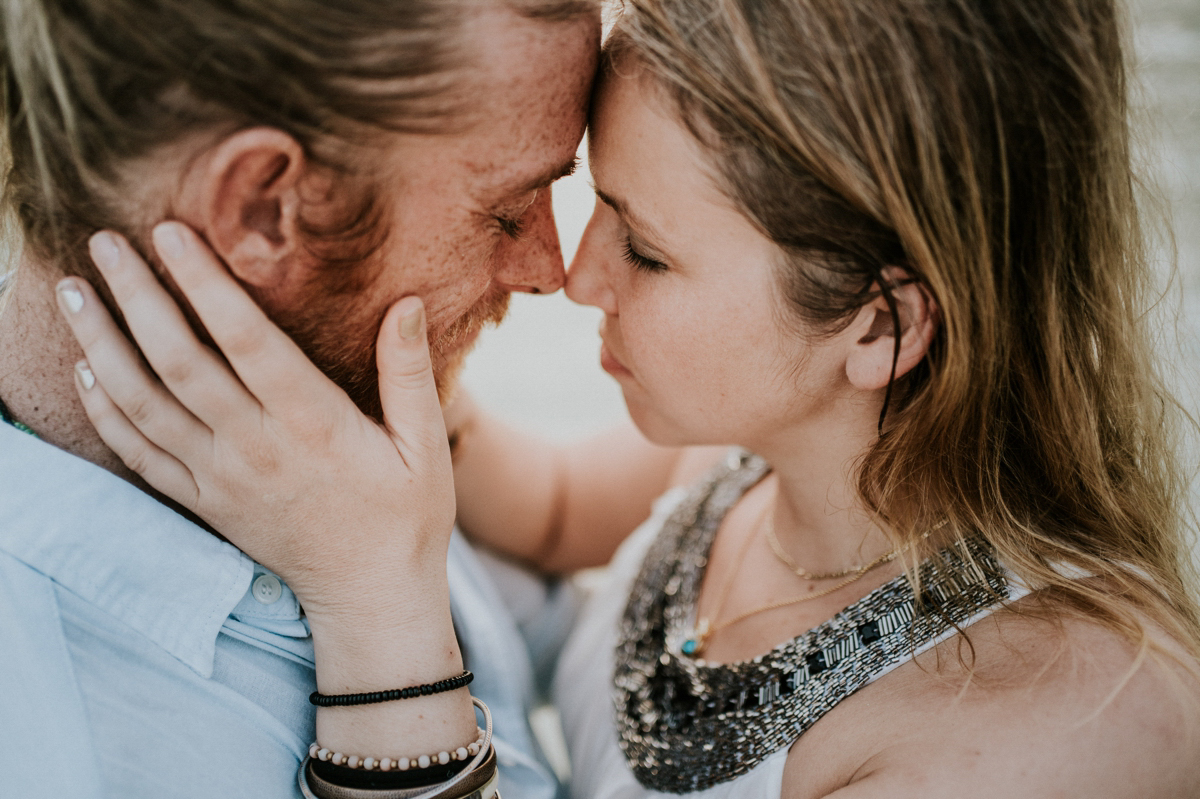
point(541, 368)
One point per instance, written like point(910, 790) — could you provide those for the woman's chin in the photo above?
point(651, 418)
point(655, 426)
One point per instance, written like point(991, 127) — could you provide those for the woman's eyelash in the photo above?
point(513, 228)
point(640, 261)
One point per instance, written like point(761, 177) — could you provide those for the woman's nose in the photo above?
point(588, 281)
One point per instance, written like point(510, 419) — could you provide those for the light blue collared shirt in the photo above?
point(140, 656)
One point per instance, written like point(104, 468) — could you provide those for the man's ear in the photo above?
point(873, 333)
point(247, 195)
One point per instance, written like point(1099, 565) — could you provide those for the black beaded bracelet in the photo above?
point(344, 700)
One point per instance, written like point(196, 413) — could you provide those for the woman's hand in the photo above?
point(356, 516)
point(265, 448)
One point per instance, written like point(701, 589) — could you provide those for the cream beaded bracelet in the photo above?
point(483, 747)
point(318, 752)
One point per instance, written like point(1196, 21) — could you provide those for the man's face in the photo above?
point(469, 212)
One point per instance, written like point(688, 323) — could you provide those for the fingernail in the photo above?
point(410, 323)
point(104, 249)
point(168, 242)
point(71, 296)
point(85, 376)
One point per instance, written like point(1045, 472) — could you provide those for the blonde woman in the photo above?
point(891, 248)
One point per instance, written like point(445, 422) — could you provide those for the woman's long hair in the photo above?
point(983, 147)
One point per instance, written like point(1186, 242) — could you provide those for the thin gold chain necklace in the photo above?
point(704, 629)
point(804, 574)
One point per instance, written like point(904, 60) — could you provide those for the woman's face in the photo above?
point(695, 330)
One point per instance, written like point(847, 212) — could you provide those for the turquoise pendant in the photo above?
point(694, 643)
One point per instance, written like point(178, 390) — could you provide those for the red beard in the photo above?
point(341, 343)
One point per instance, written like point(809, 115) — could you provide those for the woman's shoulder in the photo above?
point(1063, 706)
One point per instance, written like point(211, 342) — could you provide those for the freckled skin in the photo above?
point(442, 242)
point(443, 192)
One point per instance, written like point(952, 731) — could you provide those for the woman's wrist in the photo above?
point(407, 728)
point(391, 645)
point(357, 585)
point(403, 633)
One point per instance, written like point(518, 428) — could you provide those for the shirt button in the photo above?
point(267, 589)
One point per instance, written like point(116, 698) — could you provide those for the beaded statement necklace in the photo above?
point(685, 725)
point(706, 627)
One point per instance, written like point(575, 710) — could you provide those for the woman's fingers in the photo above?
point(158, 468)
point(131, 390)
point(407, 390)
point(193, 372)
point(269, 363)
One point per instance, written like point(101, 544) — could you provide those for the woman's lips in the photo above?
point(610, 364)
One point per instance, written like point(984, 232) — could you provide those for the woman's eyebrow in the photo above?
point(628, 214)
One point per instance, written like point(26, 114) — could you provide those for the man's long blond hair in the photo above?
point(982, 146)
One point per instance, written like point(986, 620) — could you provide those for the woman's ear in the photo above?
point(873, 332)
point(247, 195)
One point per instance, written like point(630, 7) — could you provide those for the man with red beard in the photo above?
point(336, 157)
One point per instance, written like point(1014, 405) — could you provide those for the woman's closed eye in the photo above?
point(641, 262)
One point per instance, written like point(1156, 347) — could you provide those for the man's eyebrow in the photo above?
point(549, 176)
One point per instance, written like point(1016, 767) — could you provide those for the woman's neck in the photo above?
point(818, 517)
point(752, 599)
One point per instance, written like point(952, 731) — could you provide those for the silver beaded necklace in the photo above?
point(685, 725)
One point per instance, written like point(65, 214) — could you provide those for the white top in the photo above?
point(583, 689)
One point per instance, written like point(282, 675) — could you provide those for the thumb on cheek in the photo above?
point(407, 389)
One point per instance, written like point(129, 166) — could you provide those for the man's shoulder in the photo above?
point(28, 605)
point(43, 709)
point(119, 715)
point(30, 618)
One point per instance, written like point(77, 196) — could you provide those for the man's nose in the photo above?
point(534, 263)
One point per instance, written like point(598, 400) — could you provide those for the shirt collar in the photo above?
point(116, 547)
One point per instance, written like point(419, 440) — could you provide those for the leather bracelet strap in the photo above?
point(479, 784)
